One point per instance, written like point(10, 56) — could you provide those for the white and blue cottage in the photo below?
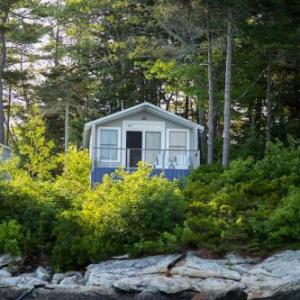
point(144, 132)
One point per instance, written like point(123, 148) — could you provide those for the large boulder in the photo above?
point(27, 280)
point(278, 274)
point(168, 274)
point(42, 274)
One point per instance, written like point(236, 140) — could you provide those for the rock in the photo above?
point(42, 274)
point(194, 266)
point(4, 273)
point(70, 273)
point(232, 259)
point(76, 279)
point(277, 274)
point(24, 280)
point(6, 259)
point(120, 257)
point(105, 273)
point(57, 278)
point(166, 277)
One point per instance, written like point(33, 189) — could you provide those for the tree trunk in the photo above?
point(22, 80)
point(211, 100)
point(2, 67)
point(186, 107)
point(203, 138)
point(56, 54)
point(268, 99)
point(67, 125)
point(8, 114)
point(227, 94)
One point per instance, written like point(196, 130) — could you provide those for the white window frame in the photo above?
point(118, 145)
point(169, 130)
point(143, 126)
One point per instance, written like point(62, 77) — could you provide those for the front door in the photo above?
point(134, 147)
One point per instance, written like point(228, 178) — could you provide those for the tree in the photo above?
point(35, 151)
point(227, 92)
point(211, 99)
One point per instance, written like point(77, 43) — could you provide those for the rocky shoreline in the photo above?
point(162, 277)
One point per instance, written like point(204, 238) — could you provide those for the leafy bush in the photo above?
point(10, 237)
point(119, 213)
point(242, 208)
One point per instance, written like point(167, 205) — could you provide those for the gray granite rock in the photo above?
point(168, 277)
point(42, 274)
point(57, 278)
point(74, 280)
point(4, 273)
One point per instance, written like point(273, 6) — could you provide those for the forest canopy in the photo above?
point(80, 60)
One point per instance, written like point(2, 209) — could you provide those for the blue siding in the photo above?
point(171, 174)
point(4, 153)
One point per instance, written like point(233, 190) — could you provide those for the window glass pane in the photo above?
point(108, 144)
point(177, 145)
point(109, 137)
point(178, 139)
point(153, 140)
point(153, 145)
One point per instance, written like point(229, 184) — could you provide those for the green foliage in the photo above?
point(252, 206)
point(34, 150)
point(248, 207)
point(123, 210)
point(75, 178)
point(10, 237)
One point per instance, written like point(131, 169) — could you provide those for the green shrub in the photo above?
point(121, 212)
point(10, 237)
point(238, 209)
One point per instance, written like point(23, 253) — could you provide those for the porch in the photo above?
point(173, 163)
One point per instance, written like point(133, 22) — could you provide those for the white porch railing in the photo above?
point(157, 158)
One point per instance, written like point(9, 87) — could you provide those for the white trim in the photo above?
point(142, 107)
point(142, 126)
point(99, 144)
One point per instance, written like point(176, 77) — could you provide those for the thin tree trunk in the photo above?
point(227, 94)
point(22, 81)
point(186, 107)
point(67, 125)
point(8, 114)
point(203, 137)
point(56, 54)
point(268, 99)
point(2, 67)
point(211, 100)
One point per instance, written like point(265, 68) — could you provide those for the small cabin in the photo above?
point(144, 132)
point(5, 152)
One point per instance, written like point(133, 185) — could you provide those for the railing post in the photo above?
point(110, 158)
point(127, 159)
point(164, 159)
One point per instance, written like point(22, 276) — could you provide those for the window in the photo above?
point(109, 144)
point(152, 145)
point(177, 144)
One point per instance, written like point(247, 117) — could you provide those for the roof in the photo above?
point(145, 106)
